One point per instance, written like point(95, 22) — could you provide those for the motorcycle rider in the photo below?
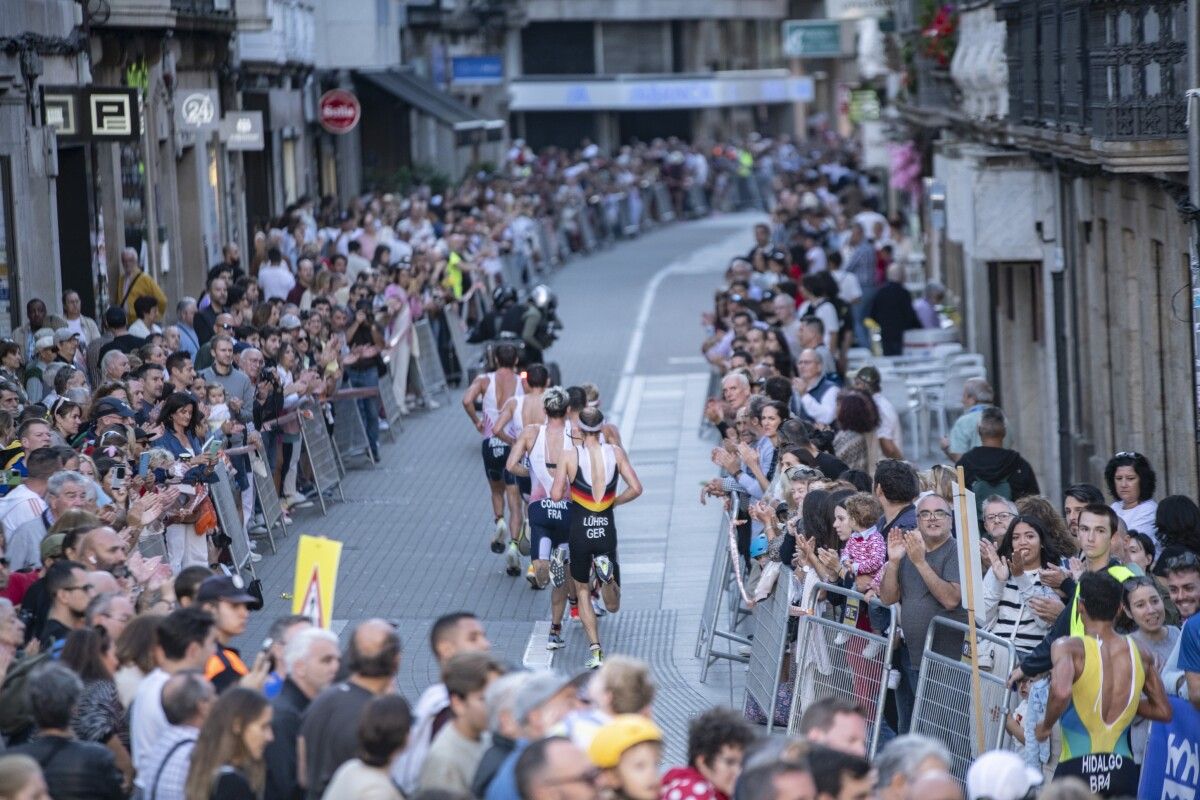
point(536, 323)
point(504, 298)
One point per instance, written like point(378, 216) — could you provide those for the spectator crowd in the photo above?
point(121, 608)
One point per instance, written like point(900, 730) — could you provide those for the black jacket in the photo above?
point(489, 764)
point(996, 464)
point(280, 755)
point(75, 769)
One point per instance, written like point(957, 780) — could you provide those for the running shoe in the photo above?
point(523, 538)
point(604, 568)
point(555, 640)
point(512, 560)
point(598, 608)
point(558, 567)
point(531, 576)
point(498, 537)
point(574, 612)
point(595, 658)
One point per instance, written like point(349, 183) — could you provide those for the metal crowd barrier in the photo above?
point(944, 706)
point(264, 483)
point(768, 649)
point(349, 427)
point(662, 201)
point(717, 595)
point(464, 352)
point(323, 459)
point(836, 659)
point(229, 515)
point(391, 406)
point(268, 495)
point(429, 365)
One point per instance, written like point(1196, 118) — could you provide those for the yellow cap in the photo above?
point(618, 735)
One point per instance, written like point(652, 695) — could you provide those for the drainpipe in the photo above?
point(1193, 119)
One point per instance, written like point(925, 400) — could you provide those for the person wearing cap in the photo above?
point(226, 598)
point(628, 749)
point(888, 433)
point(543, 700)
point(1001, 775)
point(43, 356)
point(66, 344)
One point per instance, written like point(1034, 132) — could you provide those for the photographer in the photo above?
point(364, 365)
point(538, 324)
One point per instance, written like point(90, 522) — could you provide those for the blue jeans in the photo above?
point(368, 407)
point(906, 691)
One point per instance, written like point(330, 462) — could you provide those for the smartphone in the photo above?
point(266, 649)
point(118, 477)
point(212, 446)
point(143, 465)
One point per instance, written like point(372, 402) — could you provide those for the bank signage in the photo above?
point(92, 113)
point(243, 130)
point(477, 70)
point(197, 110)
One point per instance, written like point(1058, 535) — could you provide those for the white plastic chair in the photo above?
point(908, 407)
point(964, 360)
point(943, 351)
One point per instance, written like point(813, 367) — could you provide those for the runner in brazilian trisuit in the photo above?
point(518, 414)
point(587, 476)
point(494, 389)
point(537, 453)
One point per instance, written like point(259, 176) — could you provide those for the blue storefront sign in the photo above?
point(477, 70)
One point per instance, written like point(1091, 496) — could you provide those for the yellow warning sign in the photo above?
point(316, 578)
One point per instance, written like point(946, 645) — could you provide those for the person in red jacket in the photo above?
point(717, 740)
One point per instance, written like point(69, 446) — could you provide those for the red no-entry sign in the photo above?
point(338, 111)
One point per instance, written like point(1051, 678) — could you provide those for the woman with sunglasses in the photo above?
point(1131, 481)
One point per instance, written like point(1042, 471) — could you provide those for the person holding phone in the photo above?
point(179, 417)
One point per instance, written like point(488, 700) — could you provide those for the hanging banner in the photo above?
point(316, 578)
point(1172, 765)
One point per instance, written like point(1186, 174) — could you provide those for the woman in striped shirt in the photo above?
point(1013, 580)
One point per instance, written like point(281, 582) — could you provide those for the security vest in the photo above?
point(1119, 571)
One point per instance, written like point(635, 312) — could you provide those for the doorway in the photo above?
point(75, 228)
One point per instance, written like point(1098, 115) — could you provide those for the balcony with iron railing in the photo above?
point(1103, 80)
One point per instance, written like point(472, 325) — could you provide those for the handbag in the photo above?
point(197, 511)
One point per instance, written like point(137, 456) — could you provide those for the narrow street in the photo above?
point(415, 526)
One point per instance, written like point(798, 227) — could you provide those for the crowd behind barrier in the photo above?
point(147, 456)
point(821, 359)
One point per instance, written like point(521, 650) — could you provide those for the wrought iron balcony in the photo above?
point(1111, 69)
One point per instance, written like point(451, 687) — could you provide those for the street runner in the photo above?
point(537, 453)
point(588, 475)
point(516, 416)
point(494, 389)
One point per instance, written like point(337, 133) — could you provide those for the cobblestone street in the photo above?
point(415, 527)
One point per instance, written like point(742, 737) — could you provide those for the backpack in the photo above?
point(985, 489)
point(16, 717)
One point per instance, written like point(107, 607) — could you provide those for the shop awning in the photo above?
point(421, 93)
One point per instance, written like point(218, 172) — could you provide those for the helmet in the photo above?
point(503, 296)
point(541, 296)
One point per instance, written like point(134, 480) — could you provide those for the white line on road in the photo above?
point(712, 258)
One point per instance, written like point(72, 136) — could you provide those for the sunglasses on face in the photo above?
point(1127, 454)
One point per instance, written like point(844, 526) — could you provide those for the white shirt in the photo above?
point(139, 328)
point(1139, 518)
point(823, 410)
point(849, 289)
point(18, 507)
point(355, 265)
point(275, 280)
point(816, 258)
point(147, 722)
point(828, 316)
point(889, 420)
